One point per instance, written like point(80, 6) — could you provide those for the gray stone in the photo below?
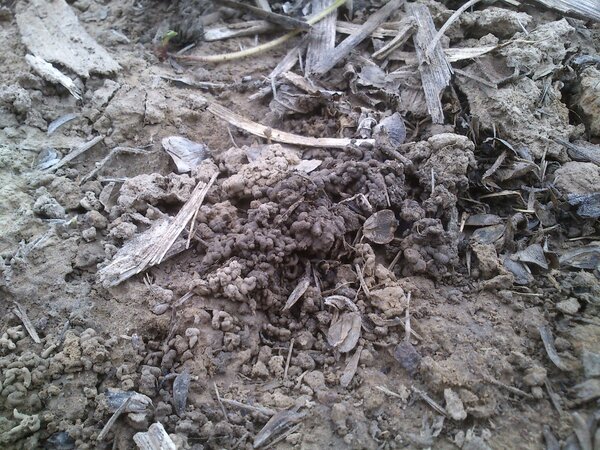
point(591, 363)
point(569, 306)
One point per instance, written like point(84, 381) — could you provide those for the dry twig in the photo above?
point(435, 70)
point(75, 153)
point(260, 48)
point(22, 315)
point(345, 47)
point(281, 136)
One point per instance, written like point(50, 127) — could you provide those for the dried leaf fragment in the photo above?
point(393, 128)
point(381, 226)
point(185, 154)
point(340, 302)
point(483, 220)
point(350, 369)
point(587, 257)
point(297, 293)
point(137, 402)
point(519, 270)
point(488, 235)
point(276, 425)
point(548, 341)
point(344, 331)
point(588, 204)
point(534, 254)
point(408, 357)
point(307, 165)
point(181, 387)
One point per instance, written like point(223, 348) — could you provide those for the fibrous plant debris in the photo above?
point(378, 237)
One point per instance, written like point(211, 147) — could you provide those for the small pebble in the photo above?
point(569, 306)
point(454, 405)
point(89, 234)
point(535, 376)
point(591, 364)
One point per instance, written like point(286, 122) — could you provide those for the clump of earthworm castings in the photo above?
point(429, 242)
point(274, 218)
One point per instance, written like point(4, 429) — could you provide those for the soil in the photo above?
point(284, 301)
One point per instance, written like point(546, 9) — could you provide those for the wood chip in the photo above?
point(50, 73)
point(335, 55)
point(150, 248)
point(388, 29)
point(52, 32)
point(321, 39)
point(435, 70)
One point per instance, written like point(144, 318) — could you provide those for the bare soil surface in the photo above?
point(436, 291)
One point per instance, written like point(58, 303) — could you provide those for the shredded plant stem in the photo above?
point(224, 57)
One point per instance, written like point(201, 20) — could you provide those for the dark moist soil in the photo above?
point(285, 258)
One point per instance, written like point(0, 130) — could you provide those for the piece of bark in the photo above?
point(50, 73)
point(156, 438)
point(582, 9)
point(151, 247)
point(321, 39)
point(435, 73)
point(51, 31)
point(289, 23)
point(405, 30)
point(334, 56)
point(387, 29)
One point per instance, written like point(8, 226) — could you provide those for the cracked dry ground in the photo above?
point(268, 229)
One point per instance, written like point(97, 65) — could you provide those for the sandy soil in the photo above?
point(473, 374)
